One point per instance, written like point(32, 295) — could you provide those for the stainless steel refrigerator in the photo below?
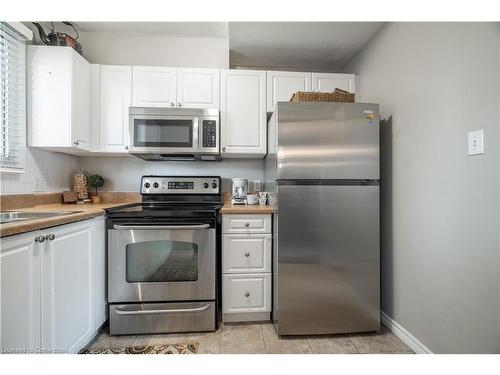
point(322, 172)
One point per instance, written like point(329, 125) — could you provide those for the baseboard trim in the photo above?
point(404, 335)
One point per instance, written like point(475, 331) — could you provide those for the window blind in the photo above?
point(12, 100)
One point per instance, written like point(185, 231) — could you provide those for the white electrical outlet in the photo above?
point(476, 142)
point(256, 185)
point(39, 184)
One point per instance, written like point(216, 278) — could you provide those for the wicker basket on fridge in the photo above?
point(338, 95)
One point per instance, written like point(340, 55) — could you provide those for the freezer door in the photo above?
point(327, 260)
point(328, 141)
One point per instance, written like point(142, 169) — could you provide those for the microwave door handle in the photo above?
point(162, 311)
point(159, 227)
point(196, 134)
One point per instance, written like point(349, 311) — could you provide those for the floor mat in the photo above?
point(148, 349)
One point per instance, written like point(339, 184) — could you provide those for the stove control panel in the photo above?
point(180, 185)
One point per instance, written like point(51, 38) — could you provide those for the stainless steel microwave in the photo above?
point(174, 133)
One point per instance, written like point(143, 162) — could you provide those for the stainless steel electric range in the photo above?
point(163, 257)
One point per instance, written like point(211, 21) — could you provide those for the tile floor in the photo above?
point(262, 338)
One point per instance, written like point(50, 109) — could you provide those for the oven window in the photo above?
point(163, 133)
point(161, 261)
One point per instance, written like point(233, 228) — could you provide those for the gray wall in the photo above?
point(440, 208)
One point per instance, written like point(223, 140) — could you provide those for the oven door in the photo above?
point(164, 134)
point(152, 263)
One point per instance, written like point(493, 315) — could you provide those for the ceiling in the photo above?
point(309, 46)
point(320, 46)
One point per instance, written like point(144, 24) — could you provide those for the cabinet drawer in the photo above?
point(246, 223)
point(246, 253)
point(246, 293)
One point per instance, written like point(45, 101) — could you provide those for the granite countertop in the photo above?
point(229, 208)
point(86, 211)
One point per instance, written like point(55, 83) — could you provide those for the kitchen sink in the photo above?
point(15, 216)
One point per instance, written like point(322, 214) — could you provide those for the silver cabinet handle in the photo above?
point(247, 254)
point(78, 141)
point(156, 227)
point(247, 294)
point(40, 239)
point(164, 311)
point(125, 147)
point(179, 104)
point(172, 104)
point(247, 224)
point(50, 237)
point(223, 149)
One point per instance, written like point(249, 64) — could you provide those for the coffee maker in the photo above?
point(239, 191)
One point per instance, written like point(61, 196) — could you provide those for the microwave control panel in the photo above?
point(209, 133)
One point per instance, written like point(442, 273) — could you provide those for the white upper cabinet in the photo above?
point(154, 86)
point(328, 82)
point(282, 85)
point(116, 98)
point(198, 88)
point(58, 98)
point(243, 113)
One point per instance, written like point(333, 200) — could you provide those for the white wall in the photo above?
point(54, 169)
point(124, 173)
point(440, 208)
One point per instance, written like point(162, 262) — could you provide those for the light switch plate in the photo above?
point(476, 142)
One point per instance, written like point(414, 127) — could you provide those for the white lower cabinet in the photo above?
point(20, 305)
point(246, 267)
point(53, 283)
point(246, 293)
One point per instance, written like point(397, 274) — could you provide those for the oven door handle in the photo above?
point(157, 227)
point(162, 311)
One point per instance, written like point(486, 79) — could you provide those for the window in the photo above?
point(12, 99)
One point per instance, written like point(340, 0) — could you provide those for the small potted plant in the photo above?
point(96, 182)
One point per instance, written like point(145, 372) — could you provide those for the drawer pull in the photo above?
point(247, 224)
point(161, 311)
point(247, 254)
point(247, 294)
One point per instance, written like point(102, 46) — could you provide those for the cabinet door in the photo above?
point(154, 86)
point(116, 98)
point(328, 82)
point(80, 102)
point(67, 288)
point(243, 113)
point(198, 88)
point(48, 92)
point(282, 85)
point(20, 293)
